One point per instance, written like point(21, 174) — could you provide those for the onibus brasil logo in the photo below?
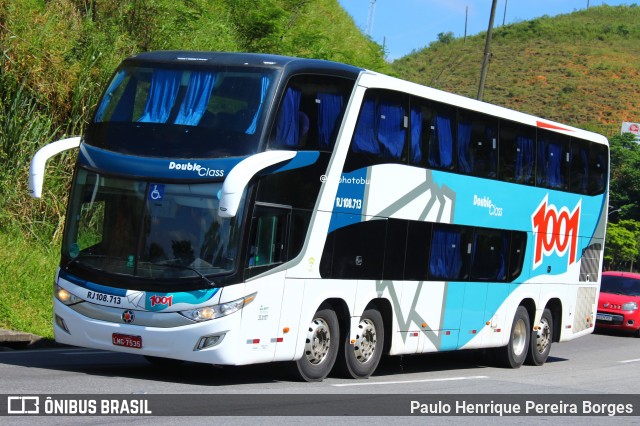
point(556, 231)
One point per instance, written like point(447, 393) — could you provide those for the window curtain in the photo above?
point(106, 99)
point(441, 147)
point(196, 98)
point(162, 95)
point(287, 127)
point(465, 159)
point(524, 159)
point(416, 135)
point(391, 132)
point(364, 139)
point(329, 109)
point(265, 80)
point(446, 260)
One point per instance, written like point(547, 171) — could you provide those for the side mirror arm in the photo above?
point(241, 174)
point(39, 161)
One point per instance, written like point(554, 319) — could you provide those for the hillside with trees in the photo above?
point(581, 69)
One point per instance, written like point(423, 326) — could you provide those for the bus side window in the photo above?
point(354, 251)
point(310, 113)
point(579, 166)
point(477, 145)
point(516, 254)
point(517, 152)
point(598, 156)
point(381, 131)
point(450, 253)
point(489, 255)
point(268, 243)
point(441, 140)
point(552, 166)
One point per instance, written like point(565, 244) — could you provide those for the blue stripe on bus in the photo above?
point(92, 286)
point(349, 202)
point(147, 167)
point(113, 162)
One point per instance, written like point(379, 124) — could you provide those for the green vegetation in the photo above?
point(55, 57)
point(580, 69)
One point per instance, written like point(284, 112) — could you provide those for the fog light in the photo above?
point(630, 322)
point(60, 323)
point(209, 341)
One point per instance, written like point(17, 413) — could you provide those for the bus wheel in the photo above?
point(541, 340)
point(514, 354)
point(321, 346)
point(359, 360)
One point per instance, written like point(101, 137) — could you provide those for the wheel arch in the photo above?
point(530, 305)
point(555, 307)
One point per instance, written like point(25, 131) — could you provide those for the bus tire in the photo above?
point(321, 346)
point(541, 340)
point(514, 354)
point(360, 359)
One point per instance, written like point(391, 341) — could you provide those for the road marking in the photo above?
point(448, 379)
point(629, 360)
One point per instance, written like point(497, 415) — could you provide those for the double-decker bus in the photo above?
point(233, 209)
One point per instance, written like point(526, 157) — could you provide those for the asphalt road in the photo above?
point(598, 364)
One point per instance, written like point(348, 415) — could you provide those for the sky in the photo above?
point(406, 25)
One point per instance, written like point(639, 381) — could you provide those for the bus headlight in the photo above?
point(630, 306)
point(216, 311)
point(65, 297)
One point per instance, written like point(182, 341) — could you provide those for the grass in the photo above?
point(27, 270)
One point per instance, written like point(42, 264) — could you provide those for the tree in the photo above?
point(622, 244)
point(624, 183)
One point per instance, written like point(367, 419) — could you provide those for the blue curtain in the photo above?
point(265, 80)
point(391, 132)
point(416, 135)
point(287, 127)
point(524, 159)
point(106, 99)
point(196, 99)
point(465, 159)
point(162, 96)
point(446, 259)
point(541, 164)
point(441, 147)
point(364, 139)
point(329, 109)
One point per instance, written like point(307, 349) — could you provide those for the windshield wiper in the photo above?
point(188, 268)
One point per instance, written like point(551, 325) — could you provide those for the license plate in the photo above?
point(127, 341)
point(604, 317)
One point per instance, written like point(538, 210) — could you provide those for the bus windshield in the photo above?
point(149, 230)
point(162, 112)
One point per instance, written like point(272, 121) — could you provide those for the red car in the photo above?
point(619, 301)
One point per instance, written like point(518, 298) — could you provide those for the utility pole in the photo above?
point(466, 20)
point(504, 17)
point(372, 10)
point(487, 51)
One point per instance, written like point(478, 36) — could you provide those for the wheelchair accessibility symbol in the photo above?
point(156, 192)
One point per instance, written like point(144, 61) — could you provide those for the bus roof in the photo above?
point(285, 63)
